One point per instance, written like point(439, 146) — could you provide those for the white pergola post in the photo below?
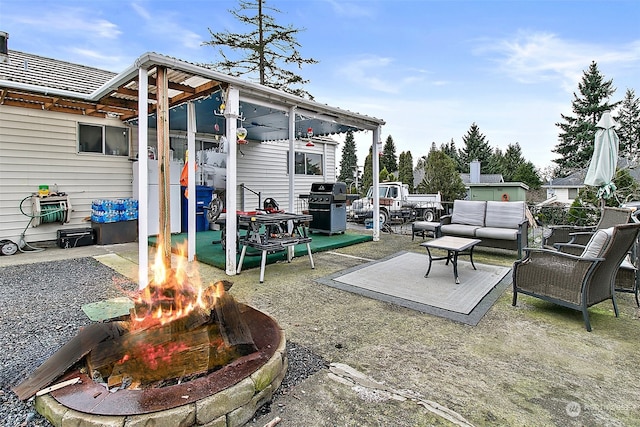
point(143, 188)
point(191, 176)
point(376, 184)
point(292, 155)
point(231, 114)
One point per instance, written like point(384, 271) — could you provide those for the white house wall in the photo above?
point(263, 168)
point(562, 195)
point(40, 148)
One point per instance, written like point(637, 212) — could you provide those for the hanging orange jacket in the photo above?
point(184, 178)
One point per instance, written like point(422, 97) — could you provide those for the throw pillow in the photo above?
point(598, 243)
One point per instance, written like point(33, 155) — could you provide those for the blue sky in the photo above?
point(428, 68)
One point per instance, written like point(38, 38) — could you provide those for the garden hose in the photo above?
point(50, 214)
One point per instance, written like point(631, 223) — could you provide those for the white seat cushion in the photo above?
point(459, 230)
point(497, 233)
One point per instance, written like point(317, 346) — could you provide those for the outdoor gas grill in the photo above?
point(328, 206)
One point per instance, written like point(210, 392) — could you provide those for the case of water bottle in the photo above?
point(106, 210)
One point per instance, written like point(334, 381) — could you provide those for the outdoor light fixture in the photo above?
point(241, 133)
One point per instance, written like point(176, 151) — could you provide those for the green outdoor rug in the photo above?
point(209, 250)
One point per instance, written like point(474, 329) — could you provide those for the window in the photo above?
point(306, 163)
point(573, 193)
point(110, 140)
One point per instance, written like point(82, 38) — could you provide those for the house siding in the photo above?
point(40, 148)
point(263, 168)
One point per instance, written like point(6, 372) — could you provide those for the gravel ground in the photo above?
point(40, 312)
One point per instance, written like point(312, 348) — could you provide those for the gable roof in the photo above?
point(485, 178)
point(36, 70)
point(575, 180)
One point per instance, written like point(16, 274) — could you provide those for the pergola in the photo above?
point(156, 84)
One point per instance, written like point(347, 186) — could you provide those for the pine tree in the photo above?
point(628, 129)
point(497, 163)
point(388, 159)
point(367, 173)
point(264, 52)
point(349, 161)
point(441, 175)
point(476, 148)
point(513, 159)
point(451, 151)
point(384, 175)
point(526, 172)
point(578, 132)
point(405, 169)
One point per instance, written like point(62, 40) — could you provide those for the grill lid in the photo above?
point(338, 190)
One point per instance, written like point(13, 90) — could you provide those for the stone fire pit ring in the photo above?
point(227, 397)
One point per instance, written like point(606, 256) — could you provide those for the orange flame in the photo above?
point(173, 293)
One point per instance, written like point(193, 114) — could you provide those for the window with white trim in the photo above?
point(99, 139)
point(306, 163)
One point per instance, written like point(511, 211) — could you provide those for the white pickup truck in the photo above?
point(396, 203)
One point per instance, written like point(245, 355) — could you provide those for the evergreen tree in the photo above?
point(628, 129)
point(513, 159)
point(526, 172)
point(497, 163)
point(349, 160)
point(405, 169)
point(263, 53)
point(441, 175)
point(451, 151)
point(384, 175)
point(476, 148)
point(578, 132)
point(388, 159)
point(367, 173)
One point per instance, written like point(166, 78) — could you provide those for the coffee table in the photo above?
point(455, 246)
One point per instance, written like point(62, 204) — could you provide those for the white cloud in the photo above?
point(533, 57)
point(379, 74)
point(167, 23)
point(72, 21)
point(99, 60)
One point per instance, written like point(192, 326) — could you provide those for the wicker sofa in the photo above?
point(497, 224)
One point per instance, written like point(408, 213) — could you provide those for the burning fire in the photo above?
point(173, 293)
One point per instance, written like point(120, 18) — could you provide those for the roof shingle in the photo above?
point(36, 70)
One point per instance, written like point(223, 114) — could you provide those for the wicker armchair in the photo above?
point(580, 235)
point(573, 281)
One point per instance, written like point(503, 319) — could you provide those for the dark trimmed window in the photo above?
point(99, 139)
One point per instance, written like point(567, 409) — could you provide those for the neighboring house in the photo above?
point(565, 190)
point(75, 128)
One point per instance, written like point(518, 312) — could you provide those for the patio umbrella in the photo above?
point(605, 157)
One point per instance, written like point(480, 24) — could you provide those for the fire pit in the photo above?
point(185, 355)
point(229, 396)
